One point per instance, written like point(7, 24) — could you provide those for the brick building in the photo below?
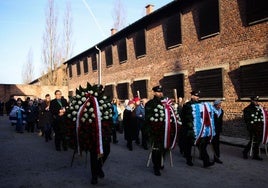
point(219, 47)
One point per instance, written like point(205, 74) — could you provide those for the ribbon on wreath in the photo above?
point(97, 123)
point(203, 126)
point(265, 126)
point(168, 112)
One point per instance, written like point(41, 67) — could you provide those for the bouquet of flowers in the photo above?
point(89, 119)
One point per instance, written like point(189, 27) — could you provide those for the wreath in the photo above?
point(89, 119)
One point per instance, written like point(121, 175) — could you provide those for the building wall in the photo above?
point(33, 91)
point(234, 44)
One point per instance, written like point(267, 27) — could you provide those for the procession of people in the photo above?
point(156, 125)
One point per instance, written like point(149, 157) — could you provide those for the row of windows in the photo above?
point(209, 82)
point(208, 19)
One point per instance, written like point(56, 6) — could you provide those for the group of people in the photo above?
point(139, 115)
point(46, 116)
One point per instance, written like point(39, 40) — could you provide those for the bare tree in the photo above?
point(119, 15)
point(67, 43)
point(50, 51)
point(28, 68)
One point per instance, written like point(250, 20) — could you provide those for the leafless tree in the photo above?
point(28, 68)
point(55, 53)
point(119, 15)
point(50, 50)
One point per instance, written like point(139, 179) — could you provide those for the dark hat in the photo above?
point(158, 89)
point(195, 93)
point(254, 98)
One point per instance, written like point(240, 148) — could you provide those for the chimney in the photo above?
point(149, 9)
point(113, 31)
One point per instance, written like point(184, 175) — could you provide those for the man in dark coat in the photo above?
point(188, 133)
point(58, 110)
point(253, 119)
point(218, 129)
point(157, 148)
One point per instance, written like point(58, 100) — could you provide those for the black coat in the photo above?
point(130, 124)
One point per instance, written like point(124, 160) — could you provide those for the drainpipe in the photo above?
point(99, 66)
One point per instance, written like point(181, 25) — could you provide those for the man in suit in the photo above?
point(58, 110)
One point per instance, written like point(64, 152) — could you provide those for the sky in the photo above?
point(22, 25)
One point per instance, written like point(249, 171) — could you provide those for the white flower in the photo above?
point(160, 106)
point(91, 110)
point(84, 99)
point(83, 93)
point(162, 114)
point(90, 120)
point(110, 115)
point(85, 110)
point(156, 120)
point(74, 113)
point(83, 119)
point(156, 115)
point(74, 119)
point(80, 102)
point(252, 115)
point(93, 115)
point(96, 94)
point(71, 107)
point(152, 119)
point(251, 122)
point(104, 97)
point(73, 102)
point(101, 101)
point(161, 119)
point(101, 108)
point(69, 116)
point(106, 113)
point(78, 96)
point(88, 104)
point(106, 117)
point(155, 110)
point(85, 115)
point(91, 92)
point(76, 107)
point(104, 106)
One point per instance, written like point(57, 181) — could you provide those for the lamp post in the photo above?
point(99, 66)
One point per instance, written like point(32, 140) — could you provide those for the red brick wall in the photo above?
point(235, 43)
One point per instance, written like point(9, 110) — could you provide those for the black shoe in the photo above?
point(217, 160)
point(94, 181)
point(137, 142)
point(208, 164)
point(157, 172)
point(162, 167)
point(245, 155)
point(189, 163)
point(115, 142)
point(258, 158)
point(101, 174)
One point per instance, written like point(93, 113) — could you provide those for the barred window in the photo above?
point(94, 62)
point(210, 83)
point(122, 91)
point(171, 83)
point(140, 43)
point(70, 71)
point(78, 68)
point(109, 91)
point(172, 31)
point(254, 80)
point(85, 63)
point(122, 50)
point(256, 11)
point(140, 88)
point(209, 18)
point(109, 56)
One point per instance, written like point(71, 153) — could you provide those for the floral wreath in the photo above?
point(89, 116)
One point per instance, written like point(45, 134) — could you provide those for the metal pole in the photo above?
point(99, 66)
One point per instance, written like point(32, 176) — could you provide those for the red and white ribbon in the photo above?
point(97, 114)
point(265, 126)
point(205, 123)
point(168, 112)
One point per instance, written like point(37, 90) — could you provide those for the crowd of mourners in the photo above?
point(132, 118)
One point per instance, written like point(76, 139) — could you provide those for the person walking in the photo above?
point(218, 116)
point(188, 133)
point(253, 118)
point(45, 118)
point(58, 110)
point(115, 121)
point(31, 116)
point(140, 114)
